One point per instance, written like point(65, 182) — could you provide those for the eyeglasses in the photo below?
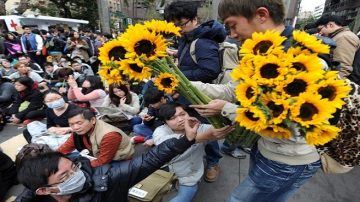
point(74, 168)
point(179, 24)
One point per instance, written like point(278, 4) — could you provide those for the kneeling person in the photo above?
point(104, 141)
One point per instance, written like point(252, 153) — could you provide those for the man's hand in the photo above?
point(147, 117)
point(191, 127)
point(171, 52)
point(220, 133)
point(38, 53)
point(212, 109)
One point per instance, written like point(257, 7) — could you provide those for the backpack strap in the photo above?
point(192, 50)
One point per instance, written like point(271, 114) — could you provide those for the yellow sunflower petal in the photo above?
point(135, 70)
point(310, 42)
point(277, 106)
point(294, 85)
point(112, 51)
point(321, 135)
point(166, 29)
point(306, 63)
point(275, 131)
point(251, 118)
point(247, 92)
point(166, 82)
point(270, 70)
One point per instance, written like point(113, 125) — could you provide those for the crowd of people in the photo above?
point(51, 76)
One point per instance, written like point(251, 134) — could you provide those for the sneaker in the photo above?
point(212, 173)
point(238, 153)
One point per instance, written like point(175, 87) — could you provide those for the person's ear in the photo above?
point(93, 120)
point(43, 191)
point(262, 14)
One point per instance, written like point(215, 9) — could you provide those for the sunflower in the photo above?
point(310, 42)
point(306, 63)
point(166, 29)
point(310, 109)
point(244, 69)
point(144, 44)
point(294, 85)
point(112, 51)
point(104, 71)
point(275, 131)
point(135, 70)
point(278, 107)
point(333, 90)
point(321, 135)
point(263, 44)
point(269, 70)
point(297, 51)
point(115, 77)
point(166, 82)
point(251, 118)
point(331, 75)
point(247, 92)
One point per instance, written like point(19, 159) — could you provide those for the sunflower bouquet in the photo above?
point(286, 93)
point(141, 52)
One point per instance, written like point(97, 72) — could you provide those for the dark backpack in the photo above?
point(355, 74)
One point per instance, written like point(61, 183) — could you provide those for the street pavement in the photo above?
point(321, 188)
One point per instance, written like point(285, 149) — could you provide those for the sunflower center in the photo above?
point(327, 92)
point(249, 93)
point(250, 116)
point(296, 87)
point(275, 109)
point(307, 111)
point(262, 47)
point(166, 82)
point(136, 68)
point(145, 47)
point(298, 66)
point(118, 53)
point(269, 71)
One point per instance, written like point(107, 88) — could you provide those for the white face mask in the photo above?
point(60, 103)
point(72, 185)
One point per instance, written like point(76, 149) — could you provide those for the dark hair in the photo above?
point(65, 72)
point(48, 64)
point(86, 113)
point(23, 56)
point(180, 9)
point(6, 36)
point(95, 83)
point(29, 151)
point(26, 81)
point(43, 31)
point(75, 61)
point(247, 9)
point(35, 171)
point(114, 98)
point(36, 31)
point(52, 91)
point(152, 96)
point(72, 37)
point(168, 110)
point(25, 26)
point(338, 20)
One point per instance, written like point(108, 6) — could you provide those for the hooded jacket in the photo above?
point(209, 35)
point(111, 183)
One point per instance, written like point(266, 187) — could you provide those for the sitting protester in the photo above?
point(56, 114)
point(51, 74)
point(120, 97)
point(188, 167)
point(33, 65)
point(28, 105)
point(6, 68)
point(92, 90)
point(8, 92)
point(7, 174)
point(103, 141)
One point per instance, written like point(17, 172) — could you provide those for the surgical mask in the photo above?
point(56, 104)
point(72, 185)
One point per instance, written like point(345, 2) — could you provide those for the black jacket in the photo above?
point(34, 97)
point(111, 183)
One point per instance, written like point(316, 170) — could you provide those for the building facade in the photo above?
point(349, 9)
point(318, 11)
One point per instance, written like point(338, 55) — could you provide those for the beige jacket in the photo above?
point(347, 43)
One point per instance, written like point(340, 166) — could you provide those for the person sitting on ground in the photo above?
point(25, 71)
point(7, 174)
point(188, 167)
point(6, 68)
point(82, 68)
point(153, 99)
point(121, 97)
point(8, 92)
point(103, 141)
point(56, 114)
point(51, 74)
point(49, 173)
point(92, 91)
point(28, 105)
point(12, 45)
point(77, 47)
point(33, 65)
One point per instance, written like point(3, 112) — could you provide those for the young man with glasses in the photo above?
point(347, 43)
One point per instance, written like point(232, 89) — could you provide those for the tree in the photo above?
point(2, 7)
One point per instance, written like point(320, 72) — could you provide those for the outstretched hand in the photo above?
point(220, 133)
point(212, 109)
point(191, 127)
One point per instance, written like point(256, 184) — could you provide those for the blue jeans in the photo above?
point(270, 180)
point(213, 155)
point(185, 193)
point(143, 130)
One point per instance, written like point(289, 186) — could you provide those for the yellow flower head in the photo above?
point(297, 51)
point(278, 107)
point(310, 42)
point(135, 70)
point(110, 75)
point(275, 131)
point(270, 70)
point(311, 110)
point(247, 92)
point(49, 58)
point(294, 85)
point(306, 63)
point(331, 75)
point(166, 29)
point(265, 43)
point(143, 43)
point(112, 51)
point(244, 70)
point(321, 135)
point(251, 118)
point(104, 71)
point(166, 82)
point(333, 90)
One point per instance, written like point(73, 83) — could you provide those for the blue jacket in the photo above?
point(32, 39)
point(209, 35)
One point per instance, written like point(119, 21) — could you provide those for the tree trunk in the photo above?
point(2, 7)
